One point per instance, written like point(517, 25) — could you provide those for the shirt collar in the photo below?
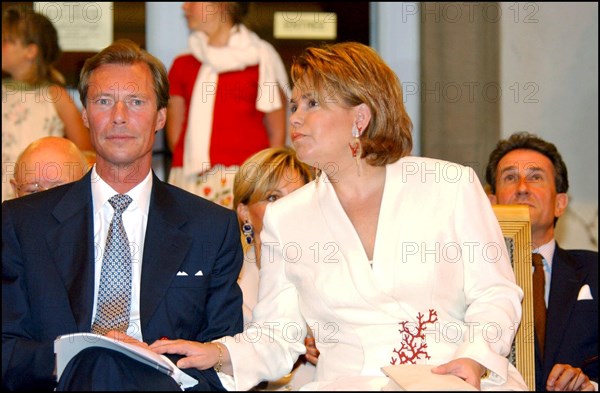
point(547, 251)
point(140, 194)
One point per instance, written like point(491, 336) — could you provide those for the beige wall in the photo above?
point(490, 69)
point(549, 76)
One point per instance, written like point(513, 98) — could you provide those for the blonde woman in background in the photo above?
point(35, 102)
point(264, 178)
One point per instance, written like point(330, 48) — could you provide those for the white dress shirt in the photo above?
point(135, 220)
point(547, 252)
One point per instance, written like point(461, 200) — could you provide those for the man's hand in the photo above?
point(567, 378)
point(464, 368)
point(198, 355)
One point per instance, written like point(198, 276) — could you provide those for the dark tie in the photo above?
point(114, 295)
point(539, 304)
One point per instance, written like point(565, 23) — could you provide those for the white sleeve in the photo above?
point(271, 343)
point(492, 296)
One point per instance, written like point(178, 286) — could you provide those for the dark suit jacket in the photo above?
point(48, 274)
point(571, 324)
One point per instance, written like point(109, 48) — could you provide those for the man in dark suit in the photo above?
point(185, 251)
point(525, 169)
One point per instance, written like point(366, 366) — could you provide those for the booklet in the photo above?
point(69, 345)
point(420, 377)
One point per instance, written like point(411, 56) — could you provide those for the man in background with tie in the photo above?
point(117, 253)
point(525, 169)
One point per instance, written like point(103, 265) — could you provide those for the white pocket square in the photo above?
point(182, 274)
point(199, 273)
point(585, 293)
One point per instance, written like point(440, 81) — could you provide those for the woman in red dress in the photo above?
point(227, 100)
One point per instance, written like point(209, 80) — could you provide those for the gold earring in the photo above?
point(356, 147)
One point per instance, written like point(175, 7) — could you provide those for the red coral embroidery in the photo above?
point(413, 344)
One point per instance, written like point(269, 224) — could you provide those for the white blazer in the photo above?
point(440, 274)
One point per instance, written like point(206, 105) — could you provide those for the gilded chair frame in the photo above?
point(516, 227)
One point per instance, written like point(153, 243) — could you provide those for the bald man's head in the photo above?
point(48, 162)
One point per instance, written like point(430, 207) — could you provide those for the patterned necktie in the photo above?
point(114, 295)
point(539, 304)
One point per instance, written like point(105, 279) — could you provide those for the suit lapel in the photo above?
point(71, 244)
point(165, 248)
point(567, 279)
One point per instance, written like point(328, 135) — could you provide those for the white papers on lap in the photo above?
point(69, 345)
point(420, 377)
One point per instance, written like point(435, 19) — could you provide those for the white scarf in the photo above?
point(244, 49)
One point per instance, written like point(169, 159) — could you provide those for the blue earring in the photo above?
point(248, 232)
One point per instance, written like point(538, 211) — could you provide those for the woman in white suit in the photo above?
point(388, 258)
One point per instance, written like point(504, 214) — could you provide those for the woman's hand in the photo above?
point(312, 353)
point(464, 368)
point(198, 355)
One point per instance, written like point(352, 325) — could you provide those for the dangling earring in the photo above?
point(248, 232)
point(355, 146)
